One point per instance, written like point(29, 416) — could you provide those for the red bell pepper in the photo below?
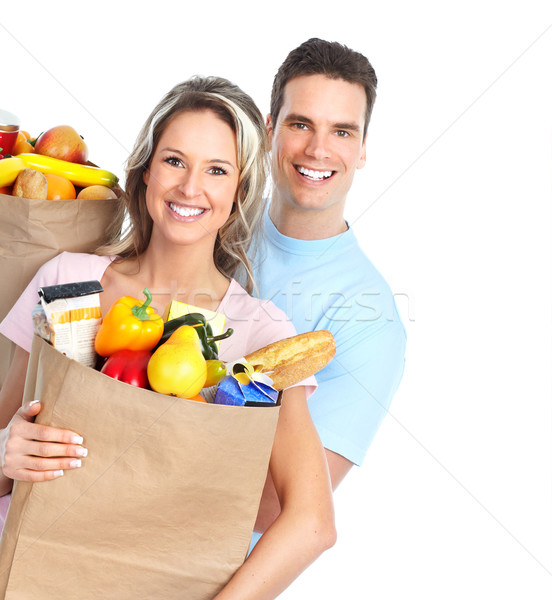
point(129, 366)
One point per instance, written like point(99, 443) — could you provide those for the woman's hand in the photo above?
point(33, 452)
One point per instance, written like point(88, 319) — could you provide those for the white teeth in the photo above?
point(316, 175)
point(186, 212)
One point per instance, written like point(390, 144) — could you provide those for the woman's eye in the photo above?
point(217, 171)
point(173, 160)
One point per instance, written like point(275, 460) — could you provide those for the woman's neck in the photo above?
point(183, 273)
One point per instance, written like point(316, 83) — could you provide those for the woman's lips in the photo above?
point(186, 211)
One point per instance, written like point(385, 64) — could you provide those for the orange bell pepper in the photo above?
point(129, 325)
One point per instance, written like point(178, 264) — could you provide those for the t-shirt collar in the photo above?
point(306, 247)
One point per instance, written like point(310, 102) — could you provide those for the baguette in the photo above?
point(293, 359)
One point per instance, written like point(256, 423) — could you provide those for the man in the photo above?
point(310, 264)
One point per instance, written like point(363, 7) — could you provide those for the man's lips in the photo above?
point(314, 175)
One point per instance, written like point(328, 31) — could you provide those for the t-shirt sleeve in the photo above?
point(356, 387)
point(17, 326)
point(66, 267)
point(273, 326)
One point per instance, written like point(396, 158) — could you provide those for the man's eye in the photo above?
point(299, 125)
point(342, 133)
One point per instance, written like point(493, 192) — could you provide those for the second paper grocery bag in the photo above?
point(34, 231)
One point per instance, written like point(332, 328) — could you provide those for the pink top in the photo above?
point(256, 323)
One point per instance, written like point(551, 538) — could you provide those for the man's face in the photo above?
point(317, 142)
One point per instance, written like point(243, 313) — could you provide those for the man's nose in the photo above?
point(318, 146)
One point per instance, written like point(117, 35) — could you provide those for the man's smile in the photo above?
point(314, 175)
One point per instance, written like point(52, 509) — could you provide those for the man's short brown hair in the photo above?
point(332, 59)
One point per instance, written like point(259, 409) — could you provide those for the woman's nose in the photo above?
point(190, 184)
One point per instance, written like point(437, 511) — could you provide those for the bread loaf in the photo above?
point(30, 184)
point(293, 359)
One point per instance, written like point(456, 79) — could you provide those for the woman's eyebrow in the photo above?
point(169, 149)
point(211, 160)
point(223, 161)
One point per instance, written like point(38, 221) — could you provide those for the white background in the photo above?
point(454, 499)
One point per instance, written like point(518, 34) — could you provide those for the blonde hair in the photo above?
point(237, 109)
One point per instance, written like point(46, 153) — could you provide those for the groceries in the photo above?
point(68, 317)
point(9, 129)
point(129, 325)
point(178, 367)
point(179, 357)
point(129, 366)
point(293, 359)
point(30, 184)
point(60, 152)
point(62, 142)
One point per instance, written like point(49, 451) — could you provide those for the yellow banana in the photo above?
point(10, 169)
point(80, 175)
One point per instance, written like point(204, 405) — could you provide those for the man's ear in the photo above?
point(362, 159)
point(269, 128)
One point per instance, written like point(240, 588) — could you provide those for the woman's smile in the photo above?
point(187, 213)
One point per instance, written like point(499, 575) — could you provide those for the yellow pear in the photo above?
point(186, 334)
point(177, 367)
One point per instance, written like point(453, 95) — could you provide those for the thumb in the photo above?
point(30, 410)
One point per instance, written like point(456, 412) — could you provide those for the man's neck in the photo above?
point(303, 224)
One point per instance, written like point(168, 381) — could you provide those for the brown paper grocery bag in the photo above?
point(163, 507)
point(34, 231)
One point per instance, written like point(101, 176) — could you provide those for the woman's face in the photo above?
point(193, 178)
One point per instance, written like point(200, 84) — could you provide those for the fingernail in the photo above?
point(76, 463)
point(33, 402)
point(77, 439)
point(82, 451)
point(58, 473)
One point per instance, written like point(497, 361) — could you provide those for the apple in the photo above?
point(62, 142)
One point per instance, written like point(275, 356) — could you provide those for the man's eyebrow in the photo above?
point(296, 117)
point(348, 126)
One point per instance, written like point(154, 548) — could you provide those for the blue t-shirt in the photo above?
point(330, 284)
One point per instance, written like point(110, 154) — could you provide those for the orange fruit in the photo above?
point(26, 134)
point(59, 188)
point(198, 398)
point(21, 144)
point(96, 192)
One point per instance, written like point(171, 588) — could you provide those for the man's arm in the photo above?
point(269, 509)
point(363, 375)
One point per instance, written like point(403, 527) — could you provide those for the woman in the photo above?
point(194, 184)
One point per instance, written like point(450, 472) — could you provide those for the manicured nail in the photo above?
point(33, 402)
point(58, 473)
point(82, 451)
point(77, 439)
point(76, 463)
